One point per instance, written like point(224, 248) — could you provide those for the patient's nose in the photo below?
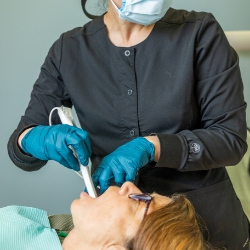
point(128, 188)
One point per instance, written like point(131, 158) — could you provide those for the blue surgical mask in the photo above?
point(143, 12)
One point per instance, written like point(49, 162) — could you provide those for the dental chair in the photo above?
point(62, 223)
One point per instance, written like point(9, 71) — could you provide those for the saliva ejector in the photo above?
point(66, 117)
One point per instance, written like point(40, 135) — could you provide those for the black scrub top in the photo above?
point(182, 83)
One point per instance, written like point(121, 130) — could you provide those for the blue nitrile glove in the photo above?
point(52, 143)
point(124, 163)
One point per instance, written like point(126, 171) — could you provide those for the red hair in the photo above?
point(172, 227)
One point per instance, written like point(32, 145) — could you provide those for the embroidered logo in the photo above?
point(195, 148)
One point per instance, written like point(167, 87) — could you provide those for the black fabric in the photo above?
point(22, 160)
point(195, 95)
point(219, 207)
point(182, 83)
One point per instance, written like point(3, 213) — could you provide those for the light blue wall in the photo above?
point(27, 30)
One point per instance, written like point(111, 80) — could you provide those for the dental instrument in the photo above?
point(66, 117)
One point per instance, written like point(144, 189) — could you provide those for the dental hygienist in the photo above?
point(159, 97)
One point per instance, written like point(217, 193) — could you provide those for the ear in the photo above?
point(115, 247)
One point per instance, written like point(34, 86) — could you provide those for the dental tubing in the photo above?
point(66, 117)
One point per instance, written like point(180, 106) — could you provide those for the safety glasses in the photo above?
point(146, 198)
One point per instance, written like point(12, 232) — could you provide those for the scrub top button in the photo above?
point(130, 91)
point(127, 53)
point(132, 132)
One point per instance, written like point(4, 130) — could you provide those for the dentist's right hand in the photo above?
point(52, 143)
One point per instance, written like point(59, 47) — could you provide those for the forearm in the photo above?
point(21, 136)
point(201, 149)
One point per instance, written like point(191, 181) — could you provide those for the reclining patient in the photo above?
point(120, 219)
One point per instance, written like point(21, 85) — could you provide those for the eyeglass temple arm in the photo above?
point(146, 209)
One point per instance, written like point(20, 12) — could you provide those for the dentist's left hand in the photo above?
point(52, 143)
point(124, 163)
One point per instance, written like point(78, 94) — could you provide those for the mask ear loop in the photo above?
point(83, 2)
point(115, 6)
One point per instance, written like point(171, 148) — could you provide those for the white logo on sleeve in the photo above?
point(195, 148)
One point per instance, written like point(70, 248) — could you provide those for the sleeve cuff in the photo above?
point(20, 159)
point(173, 151)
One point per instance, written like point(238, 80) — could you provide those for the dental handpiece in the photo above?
point(84, 169)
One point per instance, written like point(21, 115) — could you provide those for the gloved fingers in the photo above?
point(104, 179)
point(130, 175)
point(85, 138)
point(118, 172)
point(80, 141)
point(64, 163)
point(86, 190)
point(96, 176)
point(72, 161)
point(65, 154)
point(119, 178)
point(58, 158)
point(124, 168)
point(82, 153)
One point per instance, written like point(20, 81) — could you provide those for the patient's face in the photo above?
point(111, 218)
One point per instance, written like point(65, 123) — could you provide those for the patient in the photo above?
point(123, 218)
point(120, 219)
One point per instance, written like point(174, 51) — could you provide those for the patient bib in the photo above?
point(26, 228)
